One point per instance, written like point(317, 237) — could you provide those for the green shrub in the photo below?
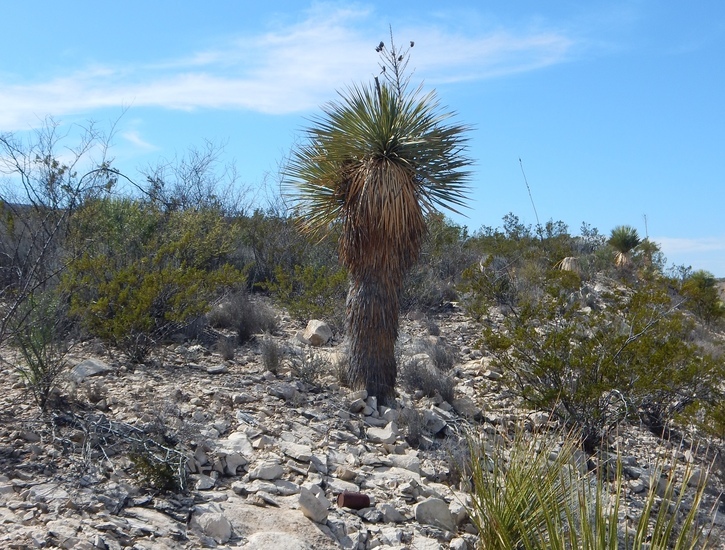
point(142, 273)
point(703, 298)
point(40, 338)
point(311, 292)
point(155, 472)
point(595, 367)
point(446, 252)
point(493, 282)
point(271, 240)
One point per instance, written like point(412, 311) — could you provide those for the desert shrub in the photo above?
point(514, 240)
point(271, 354)
point(594, 368)
point(341, 369)
point(226, 347)
point(195, 180)
point(418, 373)
point(48, 180)
point(142, 273)
point(703, 299)
point(152, 472)
point(239, 312)
point(270, 239)
point(311, 292)
point(308, 366)
point(445, 253)
point(443, 356)
point(413, 423)
point(424, 289)
point(41, 339)
point(491, 283)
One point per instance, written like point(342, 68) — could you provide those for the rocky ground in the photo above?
point(268, 457)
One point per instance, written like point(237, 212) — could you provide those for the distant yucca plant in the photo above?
point(623, 239)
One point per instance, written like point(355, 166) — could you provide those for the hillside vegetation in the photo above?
point(593, 330)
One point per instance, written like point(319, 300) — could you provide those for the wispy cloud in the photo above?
point(134, 137)
point(292, 68)
point(678, 246)
point(702, 253)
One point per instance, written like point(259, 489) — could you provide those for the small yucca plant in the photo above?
point(529, 493)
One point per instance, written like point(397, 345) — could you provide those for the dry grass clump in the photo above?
point(245, 316)
point(419, 373)
point(271, 354)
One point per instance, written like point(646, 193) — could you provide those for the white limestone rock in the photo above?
point(89, 367)
point(268, 470)
point(215, 525)
point(312, 506)
point(434, 511)
point(301, 453)
point(388, 434)
point(317, 333)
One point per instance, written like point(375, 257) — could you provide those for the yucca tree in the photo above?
point(623, 239)
point(373, 165)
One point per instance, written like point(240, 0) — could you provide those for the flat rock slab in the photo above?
point(48, 492)
point(255, 522)
point(161, 524)
point(302, 453)
point(278, 541)
point(89, 367)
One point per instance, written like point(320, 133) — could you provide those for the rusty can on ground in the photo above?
point(356, 501)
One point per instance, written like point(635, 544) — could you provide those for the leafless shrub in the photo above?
point(456, 453)
point(419, 373)
point(47, 182)
point(413, 422)
point(240, 313)
point(443, 356)
point(340, 371)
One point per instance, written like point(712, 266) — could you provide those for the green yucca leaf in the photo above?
point(410, 136)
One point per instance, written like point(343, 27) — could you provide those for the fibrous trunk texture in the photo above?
point(372, 328)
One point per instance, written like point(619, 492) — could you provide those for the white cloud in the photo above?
point(289, 69)
point(680, 246)
point(134, 137)
point(706, 253)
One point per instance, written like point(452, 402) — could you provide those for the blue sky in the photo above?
point(616, 108)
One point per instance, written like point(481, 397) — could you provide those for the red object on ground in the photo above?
point(356, 501)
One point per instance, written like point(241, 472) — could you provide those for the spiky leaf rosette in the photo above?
point(623, 239)
point(379, 162)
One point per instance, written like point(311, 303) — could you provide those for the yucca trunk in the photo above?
point(372, 328)
point(382, 234)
